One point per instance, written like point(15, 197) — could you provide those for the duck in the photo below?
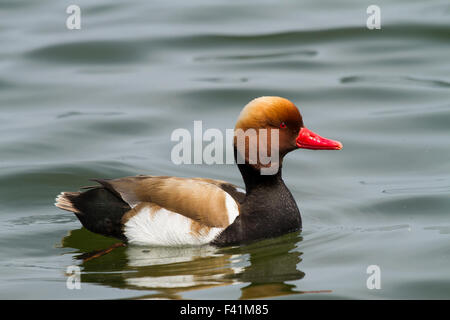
point(177, 211)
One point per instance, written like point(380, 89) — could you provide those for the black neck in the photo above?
point(254, 180)
point(266, 195)
point(268, 210)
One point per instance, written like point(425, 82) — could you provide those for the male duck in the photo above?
point(172, 211)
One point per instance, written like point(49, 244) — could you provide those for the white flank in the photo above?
point(232, 208)
point(165, 228)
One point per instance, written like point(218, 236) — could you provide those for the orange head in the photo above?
point(280, 114)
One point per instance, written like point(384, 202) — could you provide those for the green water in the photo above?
point(103, 101)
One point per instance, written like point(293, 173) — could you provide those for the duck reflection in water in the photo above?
point(261, 269)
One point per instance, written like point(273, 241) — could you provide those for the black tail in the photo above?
point(98, 210)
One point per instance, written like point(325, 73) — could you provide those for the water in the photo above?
point(103, 101)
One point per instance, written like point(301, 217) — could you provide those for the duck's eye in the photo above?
point(283, 125)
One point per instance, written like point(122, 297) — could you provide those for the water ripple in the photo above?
point(405, 80)
point(90, 52)
point(302, 53)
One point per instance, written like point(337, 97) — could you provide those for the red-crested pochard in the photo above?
point(172, 211)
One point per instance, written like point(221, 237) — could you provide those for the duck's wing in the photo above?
point(151, 210)
point(207, 202)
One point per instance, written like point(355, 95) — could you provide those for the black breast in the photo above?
point(268, 210)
